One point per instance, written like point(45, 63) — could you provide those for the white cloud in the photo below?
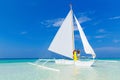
point(116, 41)
point(53, 22)
point(83, 19)
point(57, 22)
point(83, 16)
point(102, 33)
point(108, 49)
point(86, 13)
point(99, 40)
point(23, 33)
point(113, 18)
point(100, 36)
point(101, 30)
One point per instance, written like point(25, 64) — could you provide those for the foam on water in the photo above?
point(101, 70)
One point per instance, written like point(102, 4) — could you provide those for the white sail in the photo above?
point(63, 42)
point(88, 49)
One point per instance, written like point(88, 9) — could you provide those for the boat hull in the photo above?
point(76, 63)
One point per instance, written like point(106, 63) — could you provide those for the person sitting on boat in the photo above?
point(75, 58)
point(78, 54)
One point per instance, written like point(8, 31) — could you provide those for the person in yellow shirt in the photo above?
point(75, 58)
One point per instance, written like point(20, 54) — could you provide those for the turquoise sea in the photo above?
point(20, 69)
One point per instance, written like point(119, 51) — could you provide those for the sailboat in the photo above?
point(63, 43)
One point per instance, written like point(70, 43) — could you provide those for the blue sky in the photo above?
point(28, 26)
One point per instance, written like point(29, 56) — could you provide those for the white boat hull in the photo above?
point(76, 63)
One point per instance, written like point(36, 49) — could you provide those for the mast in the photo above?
point(73, 45)
point(70, 6)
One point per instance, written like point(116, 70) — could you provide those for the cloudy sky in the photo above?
point(28, 26)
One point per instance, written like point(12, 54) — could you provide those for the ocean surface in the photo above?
point(103, 69)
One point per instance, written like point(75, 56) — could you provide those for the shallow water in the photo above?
point(21, 70)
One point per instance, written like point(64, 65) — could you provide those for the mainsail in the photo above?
point(88, 49)
point(63, 42)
